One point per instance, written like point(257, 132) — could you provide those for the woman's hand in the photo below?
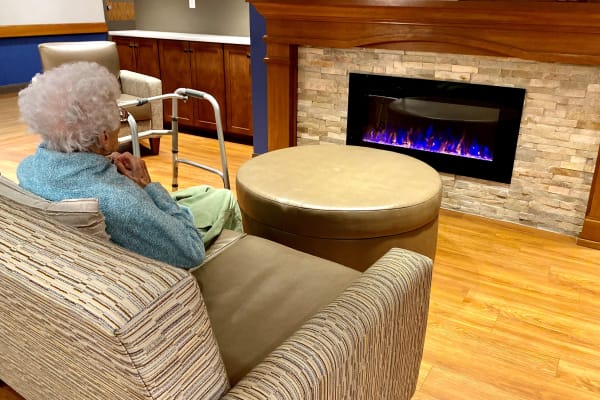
point(113, 156)
point(132, 167)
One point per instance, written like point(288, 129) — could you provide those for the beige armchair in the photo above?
point(85, 319)
point(133, 85)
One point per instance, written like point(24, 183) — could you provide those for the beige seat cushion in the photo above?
point(259, 292)
point(225, 239)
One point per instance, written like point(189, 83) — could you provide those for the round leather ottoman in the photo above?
point(348, 204)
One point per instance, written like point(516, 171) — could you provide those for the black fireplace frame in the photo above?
point(508, 100)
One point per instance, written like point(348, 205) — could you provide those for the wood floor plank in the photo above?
point(513, 313)
point(583, 373)
point(459, 387)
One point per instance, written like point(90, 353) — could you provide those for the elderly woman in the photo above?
point(73, 108)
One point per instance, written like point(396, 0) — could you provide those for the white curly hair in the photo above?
point(70, 106)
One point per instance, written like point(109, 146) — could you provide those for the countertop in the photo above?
point(195, 37)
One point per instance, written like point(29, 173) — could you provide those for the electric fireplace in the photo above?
point(459, 128)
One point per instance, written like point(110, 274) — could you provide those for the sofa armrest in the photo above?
point(140, 85)
point(367, 344)
point(83, 318)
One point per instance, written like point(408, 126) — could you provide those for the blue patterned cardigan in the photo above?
point(147, 221)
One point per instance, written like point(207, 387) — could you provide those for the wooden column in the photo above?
point(282, 94)
point(590, 234)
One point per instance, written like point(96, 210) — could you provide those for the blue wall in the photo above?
point(20, 60)
point(259, 81)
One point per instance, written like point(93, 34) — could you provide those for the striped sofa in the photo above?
point(81, 318)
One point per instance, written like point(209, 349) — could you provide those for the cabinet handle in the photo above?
point(247, 55)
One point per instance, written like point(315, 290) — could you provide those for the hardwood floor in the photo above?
point(514, 310)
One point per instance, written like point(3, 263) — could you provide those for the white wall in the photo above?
point(32, 12)
point(219, 17)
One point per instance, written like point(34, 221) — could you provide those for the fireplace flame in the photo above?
point(430, 141)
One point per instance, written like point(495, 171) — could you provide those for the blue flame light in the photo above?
point(431, 141)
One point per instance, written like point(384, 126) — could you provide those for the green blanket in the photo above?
point(213, 210)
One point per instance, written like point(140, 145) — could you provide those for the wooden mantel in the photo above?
point(562, 31)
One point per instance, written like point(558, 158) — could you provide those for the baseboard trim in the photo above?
point(13, 88)
point(588, 243)
point(12, 31)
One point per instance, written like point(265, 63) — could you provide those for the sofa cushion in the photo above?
point(83, 214)
point(221, 243)
point(259, 292)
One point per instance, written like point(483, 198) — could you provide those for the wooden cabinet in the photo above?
point(138, 55)
point(176, 73)
point(238, 89)
point(194, 65)
point(208, 75)
point(220, 70)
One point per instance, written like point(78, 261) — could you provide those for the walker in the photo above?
point(179, 94)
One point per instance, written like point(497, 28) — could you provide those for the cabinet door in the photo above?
point(125, 48)
point(146, 57)
point(238, 84)
point(208, 76)
point(175, 67)
point(138, 55)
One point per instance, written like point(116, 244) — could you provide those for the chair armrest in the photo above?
point(367, 344)
point(140, 85)
point(84, 318)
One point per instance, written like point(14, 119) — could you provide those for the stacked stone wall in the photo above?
point(558, 140)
